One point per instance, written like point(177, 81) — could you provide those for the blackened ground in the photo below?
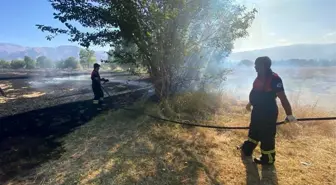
point(31, 138)
point(38, 111)
point(36, 93)
point(9, 74)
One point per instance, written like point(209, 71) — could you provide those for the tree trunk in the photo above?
point(161, 83)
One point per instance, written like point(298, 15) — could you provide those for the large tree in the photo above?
point(168, 37)
point(30, 63)
point(71, 63)
point(44, 62)
point(87, 57)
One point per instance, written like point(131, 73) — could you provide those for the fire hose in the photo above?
point(213, 126)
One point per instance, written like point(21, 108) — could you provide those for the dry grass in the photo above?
point(126, 148)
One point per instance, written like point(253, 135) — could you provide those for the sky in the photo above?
point(286, 22)
point(277, 23)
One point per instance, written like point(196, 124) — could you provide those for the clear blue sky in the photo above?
point(18, 19)
point(279, 22)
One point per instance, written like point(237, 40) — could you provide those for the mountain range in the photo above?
point(12, 51)
point(299, 51)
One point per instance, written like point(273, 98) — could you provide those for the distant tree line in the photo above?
point(296, 63)
point(86, 60)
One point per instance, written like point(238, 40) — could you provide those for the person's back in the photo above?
point(264, 92)
point(95, 77)
point(96, 86)
point(266, 88)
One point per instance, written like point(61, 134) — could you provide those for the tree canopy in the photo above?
point(71, 63)
point(44, 62)
point(29, 62)
point(87, 58)
point(17, 64)
point(170, 38)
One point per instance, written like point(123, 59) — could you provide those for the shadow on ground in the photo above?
point(130, 151)
point(268, 173)
point(32, 138)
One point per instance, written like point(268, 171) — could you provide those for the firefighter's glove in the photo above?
point(290, 118)
point(248, 107)
point(105, 80)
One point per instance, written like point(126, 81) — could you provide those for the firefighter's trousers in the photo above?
point(98, 94)
point(263, 130)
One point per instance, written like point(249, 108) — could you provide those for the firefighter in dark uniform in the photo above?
point(96, 86)
point(2, 92)
point(266, 88)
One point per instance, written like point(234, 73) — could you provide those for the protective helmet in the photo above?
point(96, 65)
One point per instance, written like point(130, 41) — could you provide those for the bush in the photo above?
point(71, 63)
point(17, 64)
point(4, 64)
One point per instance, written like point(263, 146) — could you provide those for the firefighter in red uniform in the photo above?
point(266, 88)
point(96, 86)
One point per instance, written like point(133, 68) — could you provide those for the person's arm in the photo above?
point(99, 79)
point(280, 92)
point(285, 103)
point(104, 80)
point(249, 105)
point(95, 77)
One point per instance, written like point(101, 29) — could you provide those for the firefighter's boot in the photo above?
point(97, 105)
point(267, 158)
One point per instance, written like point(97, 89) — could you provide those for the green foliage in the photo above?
point(4, 64)
point(121, 60)
point(163, 36)
point(87, 58)
point(17, 64)
point(59, 64)
point(71, 63)
point(29, 62)
point(44, 62)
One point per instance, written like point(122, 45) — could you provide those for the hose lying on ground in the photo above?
point(223, 127)
point(213, 126)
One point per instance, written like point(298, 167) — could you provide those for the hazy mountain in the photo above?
point(12, 51)
point(299, 51)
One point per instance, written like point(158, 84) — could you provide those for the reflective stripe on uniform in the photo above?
point(95, 101)
point(269, 154)
point(252, 140)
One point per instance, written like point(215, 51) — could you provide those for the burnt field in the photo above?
point(31, 91)
point(38, 110)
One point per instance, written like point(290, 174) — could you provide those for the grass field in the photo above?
point(127, 148)
point(122, 147)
